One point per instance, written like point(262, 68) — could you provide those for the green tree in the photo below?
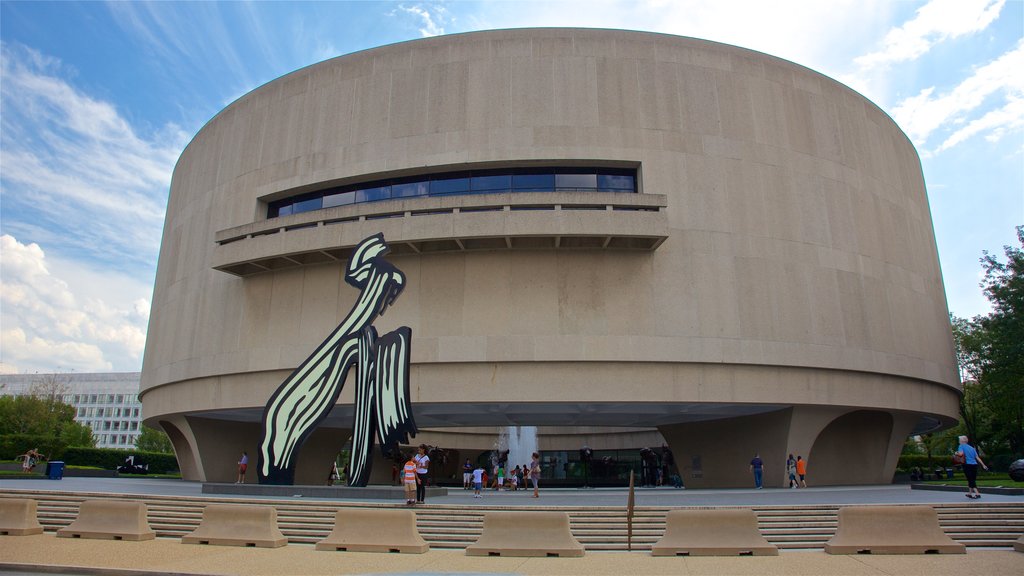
point(42, 417)
point(990, 352)
point(153, 440)
point(1001, 352)
point(31, 415)
point(77, 435)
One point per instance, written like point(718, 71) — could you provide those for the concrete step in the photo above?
point(804, 527)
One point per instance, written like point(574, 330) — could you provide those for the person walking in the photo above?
point(801, 471)
point(422, 467)
point(971, 461)
point(791, 471)
point(535, 474)
point(757, 467)
point(243, 464)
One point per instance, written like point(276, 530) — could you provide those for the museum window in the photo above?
point(491, 181)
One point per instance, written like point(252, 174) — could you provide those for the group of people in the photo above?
point(796, 471)
point(414, 472)
point(476, 477)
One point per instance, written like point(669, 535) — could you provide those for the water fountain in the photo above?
point(521, 443)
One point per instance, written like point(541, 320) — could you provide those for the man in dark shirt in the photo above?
point(757, 467)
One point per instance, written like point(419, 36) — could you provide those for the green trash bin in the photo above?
point(55, 470)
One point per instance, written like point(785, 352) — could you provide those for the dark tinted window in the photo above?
point(449, 186)
point(373, 194)
point(464, 182)
point(339, 199)
point(621, 183)
point(576, 181)
point(492, 183)
point(533, 182)
point(409, 189)
point(307, 205)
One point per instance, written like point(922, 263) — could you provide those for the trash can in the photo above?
point(55, 470)
point(949, 473)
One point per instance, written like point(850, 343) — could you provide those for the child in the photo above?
point(478, 481)
point(409, 478)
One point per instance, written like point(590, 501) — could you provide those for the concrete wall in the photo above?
point(799, 236)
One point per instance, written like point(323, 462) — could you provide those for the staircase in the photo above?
point(975, 524)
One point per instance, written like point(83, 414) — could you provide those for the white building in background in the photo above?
point(106, 402)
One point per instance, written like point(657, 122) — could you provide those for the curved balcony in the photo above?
point(520, 221)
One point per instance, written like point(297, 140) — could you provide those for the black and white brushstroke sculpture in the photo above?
point(306, 397)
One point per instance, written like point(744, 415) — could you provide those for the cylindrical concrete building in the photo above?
point(623, 238)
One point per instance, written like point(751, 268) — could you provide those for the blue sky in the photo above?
point(99, 99)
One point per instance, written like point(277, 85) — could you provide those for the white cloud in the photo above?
point(935, 22)
point(929, 111)
point(75, 171)
point(49, 324)
point(432, 18)
point(997, 123)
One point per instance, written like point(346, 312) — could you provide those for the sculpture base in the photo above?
point(372, 492)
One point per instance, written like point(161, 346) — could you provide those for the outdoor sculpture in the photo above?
point(308, 395)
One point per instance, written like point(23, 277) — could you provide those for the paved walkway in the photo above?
point(45, 552)
point(170, 556)
point(664, 496)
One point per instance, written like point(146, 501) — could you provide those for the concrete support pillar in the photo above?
point(220, 444)
point(717, 453)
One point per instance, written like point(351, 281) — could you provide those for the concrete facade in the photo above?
point(772, 286)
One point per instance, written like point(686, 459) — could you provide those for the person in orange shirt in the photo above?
point(409, 479)
point(801, 470)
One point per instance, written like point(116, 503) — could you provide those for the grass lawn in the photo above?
point(987, 479)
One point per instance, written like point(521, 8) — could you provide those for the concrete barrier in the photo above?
point(374, 530)
point(724, 532)
point(238, 525)
point(526, 534)
point(110, 520)
point(1019, 544)
point(891, 530)
point(18, 517)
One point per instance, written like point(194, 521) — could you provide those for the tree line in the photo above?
point(42, 419)
point(990, 353)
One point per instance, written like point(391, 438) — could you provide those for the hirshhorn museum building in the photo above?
point(624, 239)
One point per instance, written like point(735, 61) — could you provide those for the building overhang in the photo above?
point(552, 414)
point(521, 221)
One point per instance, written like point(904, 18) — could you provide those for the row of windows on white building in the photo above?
point(108, 403)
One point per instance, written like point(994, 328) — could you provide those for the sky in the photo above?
point(99, 99)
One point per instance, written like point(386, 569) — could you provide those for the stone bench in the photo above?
point(374, 530)
point(534, 534)
point(110, 520)
point(891, 530)
point(238, 525)
point(723, 532)
point(18, 517)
